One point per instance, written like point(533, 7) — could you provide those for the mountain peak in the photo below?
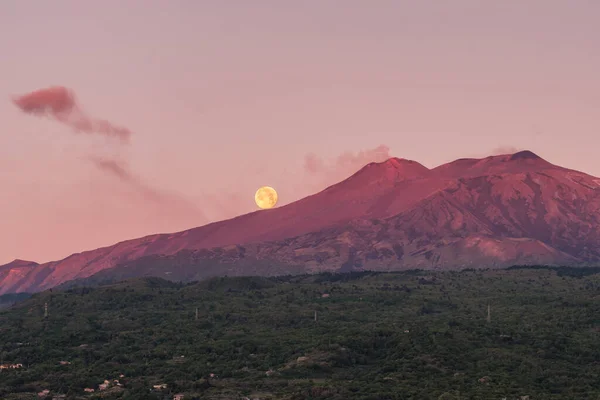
point(521, 161)
point(391, 170)
point(20, 263)
point(401, 164)
point(17, 263)
point(525, 155)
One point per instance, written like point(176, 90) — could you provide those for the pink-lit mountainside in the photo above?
point(514, 209)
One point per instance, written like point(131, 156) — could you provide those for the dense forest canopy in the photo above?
point(361, 335)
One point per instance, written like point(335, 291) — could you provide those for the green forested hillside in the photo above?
point(7, 300)
point(409, 335)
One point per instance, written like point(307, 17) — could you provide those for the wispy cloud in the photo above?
point(59, 103)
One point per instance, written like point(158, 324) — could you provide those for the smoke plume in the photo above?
point(345, 163)
point(113, 167)
point(505, 150)
point(120, 170)
point(323, 172)
point(59, 103)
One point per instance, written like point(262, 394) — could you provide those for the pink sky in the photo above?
point(222, 97)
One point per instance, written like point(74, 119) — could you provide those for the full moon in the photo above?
point(265, 197)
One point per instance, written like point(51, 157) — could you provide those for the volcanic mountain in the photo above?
point(491, 212)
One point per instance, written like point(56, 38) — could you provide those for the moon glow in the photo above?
point(265, 197)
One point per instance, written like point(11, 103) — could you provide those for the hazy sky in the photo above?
point(224, 96)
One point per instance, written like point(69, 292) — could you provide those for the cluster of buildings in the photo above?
point(10, 366)
point(101, 387)
point(45, 393)
point(160, 387)
point(163, 386)
point(107, 384)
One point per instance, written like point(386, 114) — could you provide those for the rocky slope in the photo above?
point(495, 211)
point(13, 273)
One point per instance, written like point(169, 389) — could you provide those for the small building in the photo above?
point(44, 393)
point(325, 295)
point(89, 390)
point(179, 359)
point(178, 396)
point(65, 363)
point(160, 387)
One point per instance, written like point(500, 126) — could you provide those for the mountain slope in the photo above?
point(13, 273)
point(337, 204)
point(495, 211)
